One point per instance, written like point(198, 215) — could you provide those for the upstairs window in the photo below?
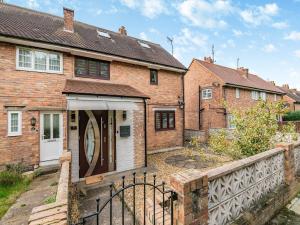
point(255, 95)
point(164, 120)
point(237, 93)
point(92, 68)
point(14, 123)
point(263, 96)
point(153, 77)
point(275, 97)
point(39, 60)
point(206, 93)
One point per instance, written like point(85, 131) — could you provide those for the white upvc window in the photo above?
point(207, 93)
point(255, 95)
point(230, 123)
point(39, 60)
point(237, 93)
point(263, 96)
point(14, 123)
point(275, 97)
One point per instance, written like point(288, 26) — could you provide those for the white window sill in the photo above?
point(40, 71)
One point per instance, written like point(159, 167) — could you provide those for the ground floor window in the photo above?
point(14, 123)
point(230, 119)
point(164, 120)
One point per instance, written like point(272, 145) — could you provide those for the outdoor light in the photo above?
point(33, 123)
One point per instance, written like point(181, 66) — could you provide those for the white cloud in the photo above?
point(98, 12)
point(237, 33)
point(297, 53)
point(206, 14)
point(33, 4)
point(259, 14)
point(144, 36)
point(187, 41)
point(150, 9)
point(280, 25)
point(269, 48)
point(229, 43)
point(294, 35)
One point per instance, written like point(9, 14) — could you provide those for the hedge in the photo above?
point(292, 116)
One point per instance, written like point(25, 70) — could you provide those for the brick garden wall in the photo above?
point(42, 91)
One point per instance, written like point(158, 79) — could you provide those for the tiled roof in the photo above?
point(234, 77)
point(292, 93)
point(31, 25)
point(101, 89)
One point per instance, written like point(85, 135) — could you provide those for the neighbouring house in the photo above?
point(107, 97)
point(292, 97)
point(208, 86)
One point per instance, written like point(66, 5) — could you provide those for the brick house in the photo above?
point(207, 85)
point(107, 97)
point(292, 97)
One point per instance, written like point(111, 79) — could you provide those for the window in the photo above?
point(14, 123)
point(153, 77)
point(38, 60)
point(237, 93)
point(263, 96)
point(255, 95)
point(164, 120)
point(275, 97)
point(230, 119)
point(207, 94)
point(85, 67)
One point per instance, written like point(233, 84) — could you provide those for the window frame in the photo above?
point(237, 93)
point(14, 133)
point(32, 55)
point(255, 97)
point(168, 116)
point(87, 75)
point(205, 90)
point(263, 94)
point(154, 83)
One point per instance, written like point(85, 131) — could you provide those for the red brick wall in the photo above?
point(34, 89)
point(212, 115)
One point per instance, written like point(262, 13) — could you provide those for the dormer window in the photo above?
point(144, 45)
point(103, 34)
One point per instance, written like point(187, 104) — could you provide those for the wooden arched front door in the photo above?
point(93, 142)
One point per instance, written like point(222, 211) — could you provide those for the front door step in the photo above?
point(93, 179)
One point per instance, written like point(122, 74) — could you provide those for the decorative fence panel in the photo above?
point(230, 195)
point(297, 160)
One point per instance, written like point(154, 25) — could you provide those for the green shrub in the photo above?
point(17, 168)
point(292, 116)
point(9, 178)
point(219, 143)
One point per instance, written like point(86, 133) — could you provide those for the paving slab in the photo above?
point(40, 188)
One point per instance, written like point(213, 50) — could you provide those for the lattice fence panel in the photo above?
point(233, 193)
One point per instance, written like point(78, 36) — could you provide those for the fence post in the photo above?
point(289, 162)
point(192, 191)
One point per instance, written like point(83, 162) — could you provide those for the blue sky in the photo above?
point(265, 35)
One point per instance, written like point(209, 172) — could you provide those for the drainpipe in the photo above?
point(145, 129)
point(199, 110)
point(183, 123)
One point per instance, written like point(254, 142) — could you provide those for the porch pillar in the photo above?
point(192, 190)
point(289, 162)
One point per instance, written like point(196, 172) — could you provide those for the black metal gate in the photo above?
point(167, 203)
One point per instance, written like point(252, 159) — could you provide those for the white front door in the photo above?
point(51, 142)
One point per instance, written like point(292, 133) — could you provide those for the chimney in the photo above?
point(68, 20)
point(122, 30)
point(208, 59)
point(244, 71)
point(272, 82)
point(286, 86)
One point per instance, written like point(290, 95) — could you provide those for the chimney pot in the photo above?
point(68, 20)
point(286, 86)
point(272, 82)
point(122, 30)
point(208, 59)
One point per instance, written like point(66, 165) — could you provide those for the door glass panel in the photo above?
point(56, 126)
point(89, 142)
point(47, 132)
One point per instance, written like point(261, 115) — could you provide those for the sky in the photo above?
point(264, 35)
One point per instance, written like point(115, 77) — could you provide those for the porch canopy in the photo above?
point(87, 95)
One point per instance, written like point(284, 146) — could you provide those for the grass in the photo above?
point(10, 193)
point(50, 199)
